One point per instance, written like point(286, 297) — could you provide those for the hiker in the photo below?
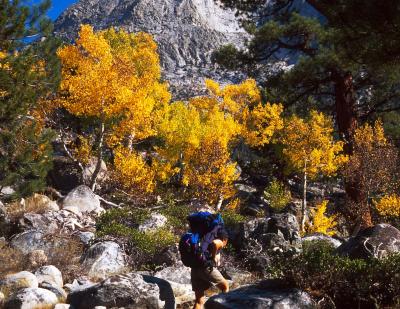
point(200, 250)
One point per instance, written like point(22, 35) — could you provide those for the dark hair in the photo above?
point(222, 234)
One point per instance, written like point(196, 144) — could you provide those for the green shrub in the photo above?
point(277, 195)
point(349, 283)
point(232, 218)
point(176, 216)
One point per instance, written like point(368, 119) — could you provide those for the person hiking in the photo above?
point(200, 250)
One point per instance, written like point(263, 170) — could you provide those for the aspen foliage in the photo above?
point(114, 77)
point(309, 146)
point(388, 206)
point(200, 134)
point(321, 223)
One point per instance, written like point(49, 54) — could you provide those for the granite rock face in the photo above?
point(187, 32)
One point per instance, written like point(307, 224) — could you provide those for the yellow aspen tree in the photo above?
point(113, 77)
point(321, 223)
point(310, 149)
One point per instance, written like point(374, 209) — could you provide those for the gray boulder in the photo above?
point(82, 200)
point(259, 297)
point(104, 259)
point(31, 298)
point(128, 291)
point(31, 240)
point(169, 256)
point(58, 291)
point(377, 241)
point(178, 276)
point(49, 274)
point(325, 238)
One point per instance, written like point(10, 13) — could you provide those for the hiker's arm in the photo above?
point(217, 244)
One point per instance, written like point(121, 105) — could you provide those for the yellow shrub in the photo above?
point(321, 223)
point(389, 205)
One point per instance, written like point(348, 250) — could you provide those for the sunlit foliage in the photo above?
point(389, 205)
point(321, 223)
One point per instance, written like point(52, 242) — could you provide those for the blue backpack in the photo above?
point(193, 245)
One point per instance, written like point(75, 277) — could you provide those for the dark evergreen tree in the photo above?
point(29, 71)
point(345, 56)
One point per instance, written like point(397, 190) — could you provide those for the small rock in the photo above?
point(85, 237)
point(49, 274)
point(104, 259)
point(31, 298)
point(14, 282)
point(62, 306)
point(37, 258)
point(321, 237)
point(2, 298)
point(82, 200)
point(155, 222)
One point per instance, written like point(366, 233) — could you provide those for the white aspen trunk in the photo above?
point(99, 158)
point(304, 202)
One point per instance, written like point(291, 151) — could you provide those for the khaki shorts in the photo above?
point(202, 279)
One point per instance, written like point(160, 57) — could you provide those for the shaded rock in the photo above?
point(49, 274)
point(38, 222)
point(37, 258)
point(377, 241)
point(259, 297)
point(104, 259)
point(156, 221)
point(65, 174)
point(58, 291)
point(321, 237)
point(77, 285)
point(82, 200)
point(129, 291)
point(169, 256)
point(31, 298)
point(280, 232)
point(14, 282)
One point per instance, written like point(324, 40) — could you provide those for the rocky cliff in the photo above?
point(187, 31)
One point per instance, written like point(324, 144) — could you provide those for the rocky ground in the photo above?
point(96, 273)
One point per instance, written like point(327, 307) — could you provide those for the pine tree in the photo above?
point(346, 58)
point(28, 73)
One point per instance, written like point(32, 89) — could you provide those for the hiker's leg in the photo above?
point(223, 286)
point(200, 299)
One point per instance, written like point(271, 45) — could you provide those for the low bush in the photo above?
point(11, 260)
point(37, 203)
point(277, 195)
point(348, 283)
point(141, 246)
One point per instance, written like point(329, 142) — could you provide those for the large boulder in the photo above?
point(31, 298)
point(128, 291)
point(168, 256)
point(14, 282)
point(49, 274)
point(82, 200)
point(260, 297)
point(377, 241)
point(104, 259)
point(178, 277)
